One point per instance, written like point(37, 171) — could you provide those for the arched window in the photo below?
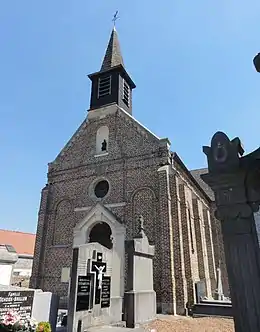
point(102, 140)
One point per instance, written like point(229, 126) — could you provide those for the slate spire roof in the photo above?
point(113, 56)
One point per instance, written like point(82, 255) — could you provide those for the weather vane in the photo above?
point(115, 18)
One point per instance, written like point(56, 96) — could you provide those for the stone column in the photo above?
point(236, 183)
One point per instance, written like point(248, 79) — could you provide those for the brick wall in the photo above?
point(137, 178)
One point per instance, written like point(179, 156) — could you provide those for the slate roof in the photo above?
point(23, 243)
point(196, 173)
point(113, 56)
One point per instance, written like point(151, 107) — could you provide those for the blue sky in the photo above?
point(191, 62)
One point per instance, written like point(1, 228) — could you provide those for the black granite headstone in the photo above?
point(84, 293)
point(17, 301)
point(105, 292)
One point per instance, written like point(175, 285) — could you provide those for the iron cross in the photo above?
point(115, 18)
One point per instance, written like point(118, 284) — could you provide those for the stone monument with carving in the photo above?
point(140, 297)
point(235, 181)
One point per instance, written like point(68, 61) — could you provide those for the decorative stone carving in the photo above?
point(234, 179)
point(223, 153)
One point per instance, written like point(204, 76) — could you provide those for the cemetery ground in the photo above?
point(187, 324)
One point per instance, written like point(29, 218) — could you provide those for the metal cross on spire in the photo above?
point(115, 17)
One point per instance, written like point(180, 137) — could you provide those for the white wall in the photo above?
point(5, 274)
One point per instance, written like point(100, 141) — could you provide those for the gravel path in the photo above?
point(188, 324)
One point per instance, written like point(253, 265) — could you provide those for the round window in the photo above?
point(101, 189)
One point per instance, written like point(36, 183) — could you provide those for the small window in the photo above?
point(102, 137)
point(126, 93)
point(10, 248)
point(101, 189)
point(104, 86)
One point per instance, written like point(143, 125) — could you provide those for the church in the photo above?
point(116, 168)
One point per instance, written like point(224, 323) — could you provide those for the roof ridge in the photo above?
point(198, 169)
point(11, 231)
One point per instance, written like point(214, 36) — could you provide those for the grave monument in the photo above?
point(235, 181)
point(97, 285)
point(140, 297)
point(29, 303)
point(97, 275)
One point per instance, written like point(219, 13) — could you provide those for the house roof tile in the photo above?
point(23, 243)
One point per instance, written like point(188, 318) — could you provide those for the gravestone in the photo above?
point(95, 287)
point(140, 297)
point(29, 303)
point(45, 307)
point(200, 288)
point(219, 295)
point(18, 301)
point(97, 272)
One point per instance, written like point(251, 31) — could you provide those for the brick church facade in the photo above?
point(113, 162)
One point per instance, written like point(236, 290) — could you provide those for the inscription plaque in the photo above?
point(105, 292)
point(18, 301)
point(83, 293)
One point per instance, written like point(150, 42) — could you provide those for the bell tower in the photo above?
point(112, 84)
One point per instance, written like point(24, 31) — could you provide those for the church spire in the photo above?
point(113, 56)
point(112, 84)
